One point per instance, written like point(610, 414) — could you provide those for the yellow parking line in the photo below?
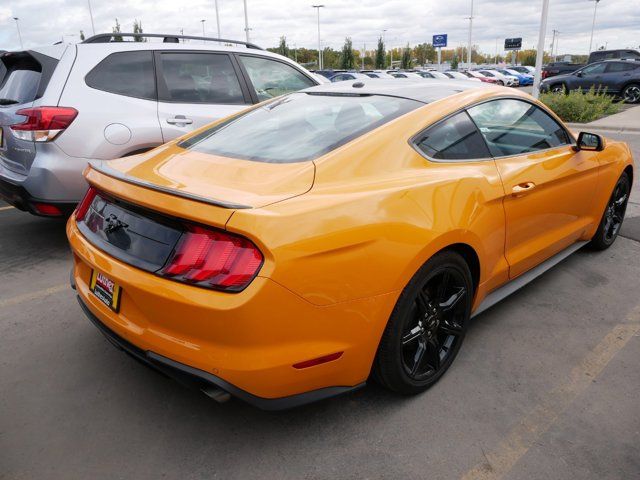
point(33, 295)
point(6, 208)
point(530, 428)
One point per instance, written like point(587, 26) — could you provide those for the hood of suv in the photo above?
point(223, 181)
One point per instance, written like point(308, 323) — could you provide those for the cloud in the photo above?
point(405, 21)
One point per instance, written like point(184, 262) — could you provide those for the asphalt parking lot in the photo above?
point(546, 387)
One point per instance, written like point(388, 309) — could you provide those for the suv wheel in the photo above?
point(631, 93)
point(557, 88)
point(427, 326)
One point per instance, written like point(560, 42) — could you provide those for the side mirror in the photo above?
point(589, 142)
point(578, 74)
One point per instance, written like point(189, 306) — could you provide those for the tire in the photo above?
point(631, 93)
point(613, 215)
point(500, 82)
point(558, 88)
point(427, 326)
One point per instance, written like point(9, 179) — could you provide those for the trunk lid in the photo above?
point(226, 182)
point(23, 79)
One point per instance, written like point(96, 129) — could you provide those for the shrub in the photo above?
point(581, 107)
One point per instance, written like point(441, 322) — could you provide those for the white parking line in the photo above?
point(532, 426)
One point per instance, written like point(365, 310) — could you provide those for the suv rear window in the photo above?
point(19, 83)
point(299, 126)
point(125, 73)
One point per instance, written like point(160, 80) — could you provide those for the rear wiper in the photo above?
point(8, 101)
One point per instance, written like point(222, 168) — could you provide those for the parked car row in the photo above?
point(558, 68)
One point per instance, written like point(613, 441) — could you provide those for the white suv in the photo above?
point(64, 105)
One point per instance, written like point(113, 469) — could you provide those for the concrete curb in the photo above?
point(588, 126)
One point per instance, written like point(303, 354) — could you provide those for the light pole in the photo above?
point(19, 35)
point(203, 20)
point(540, 53)
point(384, 43)
point(217, 18)
point(93, 28)
point(470, 30)
point(246, 21)
point(593, 25)
point(320, 62)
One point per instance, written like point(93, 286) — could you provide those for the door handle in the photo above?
point(179, 120)
point(523, 188)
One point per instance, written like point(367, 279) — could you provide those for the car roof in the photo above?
point(422, 90)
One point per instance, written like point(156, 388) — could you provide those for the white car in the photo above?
point(501, 79)
point(460, 76)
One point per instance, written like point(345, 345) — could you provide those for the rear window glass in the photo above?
point(19, 80)
point(299, 126)
point(125, 73)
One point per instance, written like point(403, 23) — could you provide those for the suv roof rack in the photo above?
point(167, 38)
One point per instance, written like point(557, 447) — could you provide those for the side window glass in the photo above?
point(620, 67)
point(455, 138)
point(272, 78)
point(594, 69)
point(513, 127)
point(200, 78)
point(125, 73)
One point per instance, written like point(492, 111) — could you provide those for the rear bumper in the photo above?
point(199, 379)
point(20, 198)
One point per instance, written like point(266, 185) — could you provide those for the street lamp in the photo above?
point(203, 20)
point(593, 25)
point(470, 29)
point(93, 28)
point(19, 35)
point(540, 53)
point(320, 65)
point(217, 18)
point(246, 21)
point(384, 43)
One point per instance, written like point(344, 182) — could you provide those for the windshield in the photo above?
point(299, 126)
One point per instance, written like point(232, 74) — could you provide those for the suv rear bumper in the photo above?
point(20, 198)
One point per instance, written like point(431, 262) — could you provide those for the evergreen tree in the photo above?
point(283, 49)
point(116, 29)
point(137, 28)
point(406, 61)
point(347, 58)
point(454, 63)
point(380, 54)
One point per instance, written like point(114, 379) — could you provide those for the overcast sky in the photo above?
point(413, 21)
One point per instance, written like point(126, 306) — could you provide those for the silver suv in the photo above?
point(64, 105)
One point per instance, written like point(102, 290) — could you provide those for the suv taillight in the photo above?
point(213, 259)
point(43, 124)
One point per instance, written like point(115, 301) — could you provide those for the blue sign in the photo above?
point(440, 40)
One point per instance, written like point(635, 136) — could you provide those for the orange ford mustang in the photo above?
point(348, 231)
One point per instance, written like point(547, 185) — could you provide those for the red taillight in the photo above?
point(545, 74)
point(43, 123)
point(47, 209)
point(83, 206)
point(213, 259)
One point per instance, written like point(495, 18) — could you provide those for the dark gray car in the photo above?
point(621, 78)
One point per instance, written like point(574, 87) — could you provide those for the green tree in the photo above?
point(283, 48)
point(137, 28)
point(454, 62)
point(116, 29)
point(406, 60)
point(347, 57)
point(81, 36)
point(380, 54)
point(425, 53)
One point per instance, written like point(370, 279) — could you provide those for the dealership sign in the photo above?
point(513, 44)
point(440, 40)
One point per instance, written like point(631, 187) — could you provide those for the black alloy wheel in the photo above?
point(613, 215)
point(427, 326)
point(631, 93)
point(557, 88)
